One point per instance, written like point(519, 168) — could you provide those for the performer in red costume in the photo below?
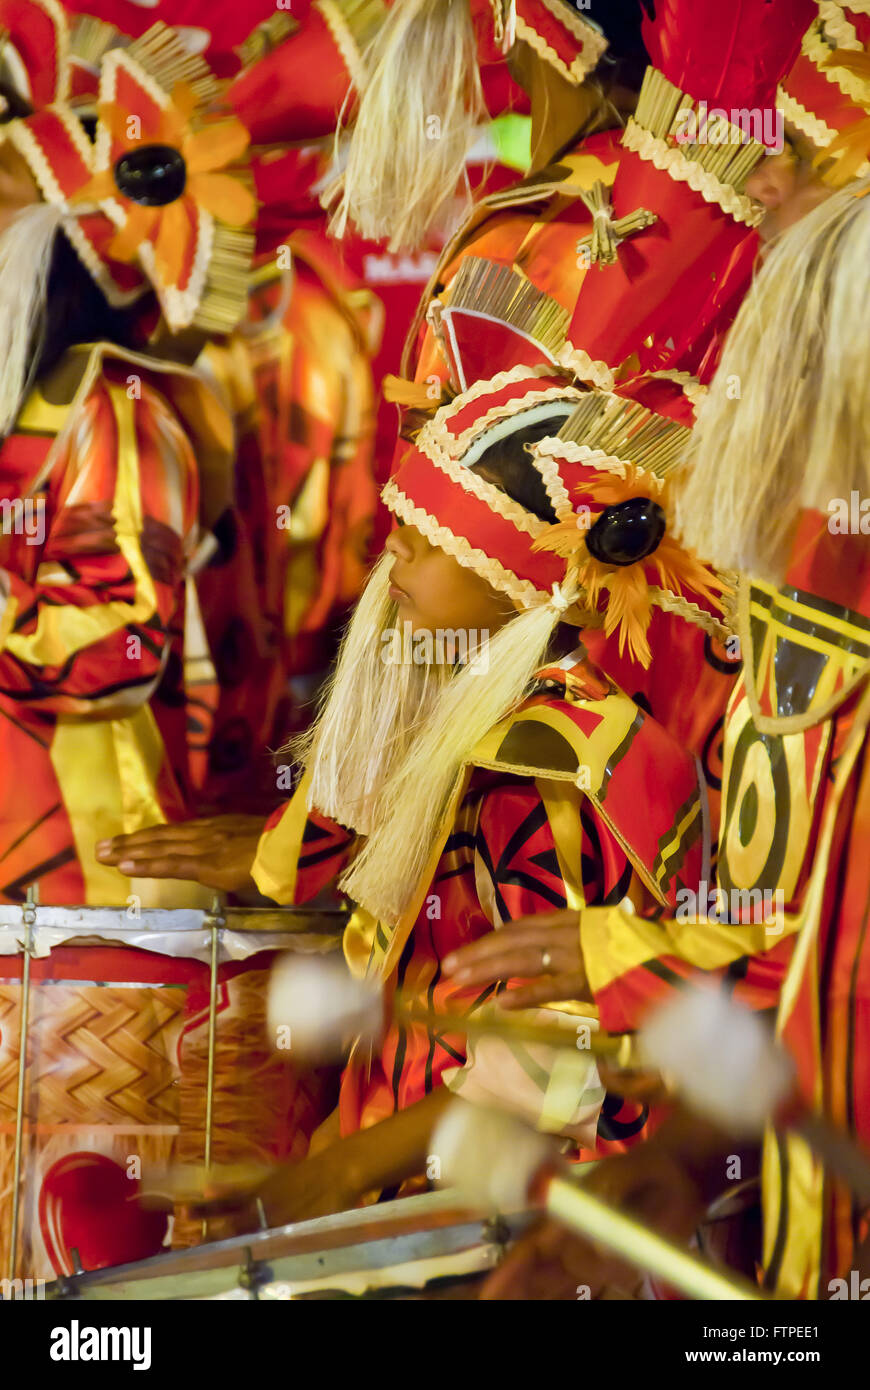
point(424, 795)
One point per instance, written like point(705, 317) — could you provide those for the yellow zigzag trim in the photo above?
point(522, 591)
point(593, 43)
point(674, 163)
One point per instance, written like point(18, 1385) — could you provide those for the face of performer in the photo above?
point(788, 186)
point(432, 590)
point(17, 187)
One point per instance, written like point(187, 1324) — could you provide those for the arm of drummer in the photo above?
point(345, 1171)
point(87, 611)
point(290, 858)
point(629, 961)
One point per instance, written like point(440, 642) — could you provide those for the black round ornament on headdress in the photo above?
point(626, 532)
point(153, 175)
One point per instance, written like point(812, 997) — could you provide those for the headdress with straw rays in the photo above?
point(688, 175)
point(610, 558)
point(154, 198)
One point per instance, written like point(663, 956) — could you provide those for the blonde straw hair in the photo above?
point(26, 248)
point(401, 168)
point(786, 425)
point(392, 739)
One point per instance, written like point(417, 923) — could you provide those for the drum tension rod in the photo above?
point(29, 918)
point(216, 920)
point(253, 1274)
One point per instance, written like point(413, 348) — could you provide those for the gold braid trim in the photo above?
point(60, 23)
point(353, 24)
point(522, 591)
point(459, 443)
point(485, 287)
point(29, 148)
point(619, 427)
point(850, 84)
point(266, 37)
point(485, 388)
point(593, 44)
point(693, 390)
point(685, 608)
point(593, 458)
point(723, 149)
point(835, 23)
point(682, 170)
point(544, 455)
point(805, 120)
point(493, 497)
point(586, 368)
point(673, 163)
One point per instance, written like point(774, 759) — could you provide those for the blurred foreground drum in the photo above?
point(128, 1040)
point(416, 1247)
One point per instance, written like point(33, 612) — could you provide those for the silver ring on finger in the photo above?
point(546, 960)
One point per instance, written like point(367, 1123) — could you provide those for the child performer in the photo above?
point(469, 765)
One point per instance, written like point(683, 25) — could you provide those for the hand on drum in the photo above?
point(217, 851)
point(551, 1262)
point(543, 950)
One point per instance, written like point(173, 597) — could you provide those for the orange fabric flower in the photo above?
point(631, 596)
point(206, 153)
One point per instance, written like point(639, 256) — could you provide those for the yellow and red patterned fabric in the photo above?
point(796, 728)
point(513, 841)
point(294, 546)
point(94, 694)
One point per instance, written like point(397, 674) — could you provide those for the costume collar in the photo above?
point(806, 643)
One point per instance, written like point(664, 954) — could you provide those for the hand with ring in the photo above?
point(543, 950)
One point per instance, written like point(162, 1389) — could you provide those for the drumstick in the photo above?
point(494, 1160)
point(317, 1009)
point(618, 1048)
point(729, 1068)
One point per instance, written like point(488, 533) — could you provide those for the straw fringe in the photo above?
point(799, 434)
point(422, 67)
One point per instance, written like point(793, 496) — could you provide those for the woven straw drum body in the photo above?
point(116, 1080)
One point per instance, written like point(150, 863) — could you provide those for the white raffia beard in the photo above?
point(422, 64)
point(391, 740)
point(799, 434)
point(25, 259)
point(368, 713)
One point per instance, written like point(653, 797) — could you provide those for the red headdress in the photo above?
point(159, 195)
point(686, 161)
point(561, 37)
point(826, 95)
point(610, 558)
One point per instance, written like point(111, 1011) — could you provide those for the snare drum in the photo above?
point(129, 1041)
point(416, 1247)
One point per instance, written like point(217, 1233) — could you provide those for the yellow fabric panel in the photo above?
point(614, 941)
point(107, 771)
point(64, 630)
point(277, 861)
